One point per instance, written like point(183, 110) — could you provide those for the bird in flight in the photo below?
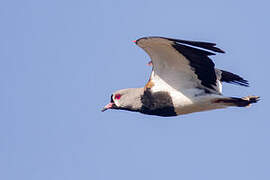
point(183, 80)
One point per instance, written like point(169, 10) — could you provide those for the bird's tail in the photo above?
point(240, 102)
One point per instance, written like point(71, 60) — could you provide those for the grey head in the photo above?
point(126, 99)
point(143, 101)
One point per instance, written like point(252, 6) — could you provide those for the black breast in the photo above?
point(159, 103)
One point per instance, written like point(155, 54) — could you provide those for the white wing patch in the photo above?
point(177, 96)
point(169, 65)
point(189, 101)
point(173, 73)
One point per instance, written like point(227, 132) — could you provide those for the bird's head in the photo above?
point(125, 99)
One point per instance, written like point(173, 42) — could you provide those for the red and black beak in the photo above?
point(111, 105)
point(108, 106)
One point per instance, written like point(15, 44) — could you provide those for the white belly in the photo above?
point(197, 104)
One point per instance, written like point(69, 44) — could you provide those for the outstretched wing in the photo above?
point(179, 65)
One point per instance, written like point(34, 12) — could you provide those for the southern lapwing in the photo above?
point(183, 80)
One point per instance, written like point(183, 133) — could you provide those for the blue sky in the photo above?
point(61, 60)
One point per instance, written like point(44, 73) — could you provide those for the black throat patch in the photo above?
point(159, 103)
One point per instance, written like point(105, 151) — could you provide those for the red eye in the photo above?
point(117, 96)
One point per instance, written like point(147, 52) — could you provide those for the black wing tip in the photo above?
point(200, 44)
point(233, 78)
point(241, 83)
